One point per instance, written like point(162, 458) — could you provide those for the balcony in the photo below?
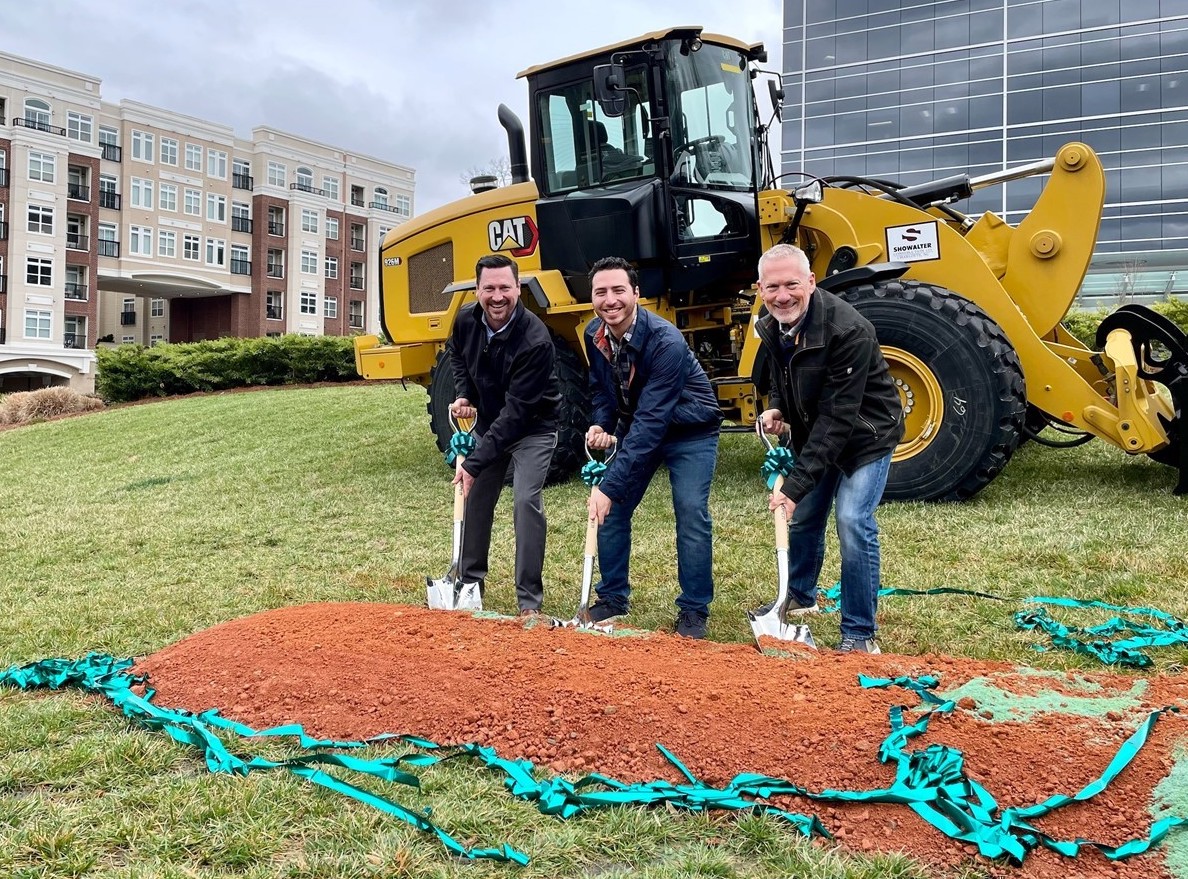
point(305, 187)
point(241, 224)
point(274, 312)
point(242, 181)
point(38, 125)
point(109, 199)
point(3, 177)
point(356, 283)
point(108, 248)
point(3, 230)
point(3, 335)
point(357, 200)
point(275, 228)
point(112, 153)
point(241, 266)
point(3, 283)
point(77, 242)
point(358, 244)
point(74, 340)
point(356, 322)
point(127, 318)
point(78, 192)
point(275, 271)
point(383, 206)
point(76, 291)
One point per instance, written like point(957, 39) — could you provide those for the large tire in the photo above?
point(575, 408)
point(961, 383)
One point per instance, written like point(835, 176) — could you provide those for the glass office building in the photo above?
point(914, 91)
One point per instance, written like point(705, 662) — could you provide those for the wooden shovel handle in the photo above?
point(459, 499)
point(781, 520)
point(592, 538)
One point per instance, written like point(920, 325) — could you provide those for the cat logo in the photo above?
point(517, 235)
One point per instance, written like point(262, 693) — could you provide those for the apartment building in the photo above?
point(125, 223)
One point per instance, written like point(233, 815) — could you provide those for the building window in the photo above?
point(216, 208)
point(168, 197)
point(76, 232)
point(142, 193)
point(356, 276)
point(276, 264)
point(41, 219)
point(357, 196)
point(191, 247)
point(37, 114)
point(276, 221)
point(79, 127)
point(216, 251)
point(309, 262)
point(109, 140)
point(39, 272)
point(74, 332)
point(193, 204)
point(108, 245)
point(332, 228)
point(76, 283)
point(142, 145)
point(216, 163)
point(127, 340)
point(381, 198)
point(41, 166)
point(108, 197)
point(276, 174)
point(38, 324)
point(274, 307)
point(355, 314)
point(168, 151)
point(241, 217)
point(241, 260)
point(304, 179)
point(331, 307)
point(358, 242)
point(332, 267)
point(140, 240)
point(193, 157)
point(309, 220)
point(156, 339)
point(166, 243)
point(309, 301)
point(330, 186)
point(404, 205)
point(156, 308)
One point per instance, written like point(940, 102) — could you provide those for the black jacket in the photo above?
point(835, 392)
point(511, 380)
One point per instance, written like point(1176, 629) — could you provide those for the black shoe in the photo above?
point(794, 607)
point(601, 611)
point(858, 645)
point(691, 624)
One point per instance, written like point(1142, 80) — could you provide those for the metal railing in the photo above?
point(241, 266)
point(3, 283)
point(383, 206)
point(74, 340)
point(3, 177)
point(356, 322)
point(275, 271)
point(358, 244)
point(242, 181)
point(127, 318)
point(107, 247)
point(275, 228)
point(356, 283)
point(241, 224)
point(38, 125)
point(77, 242)
point(76, 291)
point(109, 199)
point(274, 312)
point(78, 192)
point(3, 335)
point(3, 230)
point(112, 153)
point(305, 187)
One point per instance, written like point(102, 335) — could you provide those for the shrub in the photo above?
point(26, 407)
point(131, 372)
point(1083, 324)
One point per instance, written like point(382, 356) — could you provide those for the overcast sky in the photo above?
point(415, 82)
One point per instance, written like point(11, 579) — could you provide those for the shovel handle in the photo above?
point(592, 538)
point(459, 498)
point(781, 520)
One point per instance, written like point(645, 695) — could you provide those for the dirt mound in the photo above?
point(576, 701)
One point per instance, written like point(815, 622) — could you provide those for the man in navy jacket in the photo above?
point(651, 396)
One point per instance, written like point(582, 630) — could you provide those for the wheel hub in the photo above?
point(922, 399)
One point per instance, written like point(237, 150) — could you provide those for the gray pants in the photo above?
point(532, 456)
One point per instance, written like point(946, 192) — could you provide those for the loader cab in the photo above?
point(648, 150)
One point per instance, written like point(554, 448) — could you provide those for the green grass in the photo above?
point(129, 529)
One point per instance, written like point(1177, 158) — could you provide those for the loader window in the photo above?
point(583, 147)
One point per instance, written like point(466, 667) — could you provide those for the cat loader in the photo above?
point(652, 149)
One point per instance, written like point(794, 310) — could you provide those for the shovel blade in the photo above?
point(773, 625)
point(445, 593)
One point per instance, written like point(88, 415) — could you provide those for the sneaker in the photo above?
point(794, 607)
point(691, 624)
point(858, 645)
point(601, 611)
point(530, 612)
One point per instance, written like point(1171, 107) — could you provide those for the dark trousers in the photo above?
point(532, 456)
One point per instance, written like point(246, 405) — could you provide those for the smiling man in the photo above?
point(652, 397)
point(503, 361)
point(831, 394)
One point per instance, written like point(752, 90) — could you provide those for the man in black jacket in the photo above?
point(832, 393)
point(503, 361)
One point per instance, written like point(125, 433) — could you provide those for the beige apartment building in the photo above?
point(130, 224)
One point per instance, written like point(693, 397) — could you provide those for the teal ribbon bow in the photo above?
point(461, 443)
point(593, 473)
point(777, 462)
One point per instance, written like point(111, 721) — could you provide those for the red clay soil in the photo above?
point(576, 701)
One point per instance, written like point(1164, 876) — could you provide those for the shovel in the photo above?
point(592, 475)
point(770, 621)
point(449, 592)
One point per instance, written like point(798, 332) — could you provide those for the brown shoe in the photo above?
point(530, 612)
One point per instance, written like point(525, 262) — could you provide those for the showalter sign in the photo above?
point(915, 243)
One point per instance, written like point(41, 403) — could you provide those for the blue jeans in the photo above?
point(856, 498)
point(690, 465)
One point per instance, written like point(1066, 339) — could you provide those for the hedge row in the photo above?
point(132, 372)
point(1083, 324)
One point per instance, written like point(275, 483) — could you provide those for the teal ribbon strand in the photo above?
point(461, 443)
point(777, 462)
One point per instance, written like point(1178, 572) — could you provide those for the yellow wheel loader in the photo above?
point(652, 149)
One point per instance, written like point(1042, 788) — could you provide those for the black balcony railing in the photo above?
point(112, 153)
point(274, 312)
point(305, 187)
point(242, 181)
point(3, 335)
point(108, 248)
point(127, 318)
point(3, 230)
point(77, 242)
point(241, 266)
point(356, 283)
point(383, 206)
point(74, 340)
point(78, 192)
point(241, 224)
point(38, 125)
point(357, 200)
point(76, 291)
point(3, 283)
point(275, 271)
point(109, 199)
point(357, 244)
point(275, 228)
point(3, 177)
point(356, 322)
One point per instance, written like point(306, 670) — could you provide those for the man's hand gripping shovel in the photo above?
point(592, 475)
point(770, 621)
point(449, 592)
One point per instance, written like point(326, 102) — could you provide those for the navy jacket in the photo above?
point(511, 380)
point(669, 398)
point(835, 392)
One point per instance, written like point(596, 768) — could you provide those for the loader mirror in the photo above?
point(809, 193)
point(609, 87)
point(777, 99)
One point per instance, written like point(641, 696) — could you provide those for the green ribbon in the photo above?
point(777, 462)
point(461, 443)
point(1096, 640)
point(593, 473)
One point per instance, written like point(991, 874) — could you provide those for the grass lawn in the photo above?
point(127, 530)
